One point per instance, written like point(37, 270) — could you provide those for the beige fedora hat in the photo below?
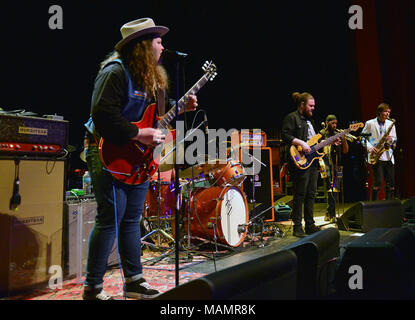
point(138, 28)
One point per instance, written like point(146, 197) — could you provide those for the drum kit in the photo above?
point(214, 206)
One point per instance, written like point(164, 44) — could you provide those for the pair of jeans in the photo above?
point(383, 169)
point(128, 208)
point(304, 190)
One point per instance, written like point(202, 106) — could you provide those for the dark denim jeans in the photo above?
point(383, 169)
point(129, 207)
point(304, 190)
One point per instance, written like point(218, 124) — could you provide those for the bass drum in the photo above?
point(220, 210)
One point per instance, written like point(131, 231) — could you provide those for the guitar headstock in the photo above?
point(356, 126)
point(210, 69)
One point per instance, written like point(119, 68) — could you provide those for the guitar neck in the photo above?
point(331, 139)
point(171, 114)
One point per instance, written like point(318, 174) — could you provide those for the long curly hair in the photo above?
point(146, 73)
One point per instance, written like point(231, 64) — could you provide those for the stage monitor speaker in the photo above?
point(266, 278)
point(30, 234)
point(409, 208)
point(316, 255)
point(367, 215)
point(378, 265)
point(263, 193)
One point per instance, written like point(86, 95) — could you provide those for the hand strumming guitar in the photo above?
point(150, 136)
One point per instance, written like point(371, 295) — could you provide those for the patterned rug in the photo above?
point(161, 275)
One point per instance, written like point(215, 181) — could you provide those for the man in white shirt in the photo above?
point(385, 167)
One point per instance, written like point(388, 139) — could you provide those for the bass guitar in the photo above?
point(304, 160)
point(135, 163)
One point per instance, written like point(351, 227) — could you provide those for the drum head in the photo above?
point(233, 213)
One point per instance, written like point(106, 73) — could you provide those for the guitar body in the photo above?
point(305, 160)
point(133, 163)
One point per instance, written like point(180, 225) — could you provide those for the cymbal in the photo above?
point(167, 162)
point(199, 168)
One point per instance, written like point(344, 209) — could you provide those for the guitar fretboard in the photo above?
point(331, 139)
point(171, 114)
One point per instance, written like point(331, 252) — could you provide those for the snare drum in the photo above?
point(218, 211)
point(231, 175)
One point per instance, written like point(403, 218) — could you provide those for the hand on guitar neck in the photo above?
point(191, 104)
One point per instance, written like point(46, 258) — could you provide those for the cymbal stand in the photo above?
point(159, 230)
point(178, 206)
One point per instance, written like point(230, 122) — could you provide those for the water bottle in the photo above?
point(86, 183)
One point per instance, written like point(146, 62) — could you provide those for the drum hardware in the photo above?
point(158, 231)
point(211, 225)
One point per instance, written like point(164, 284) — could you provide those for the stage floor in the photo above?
point(254, 248)
point(159, 267)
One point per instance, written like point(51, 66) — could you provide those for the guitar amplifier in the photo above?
point(253, 138)
point(33, 136)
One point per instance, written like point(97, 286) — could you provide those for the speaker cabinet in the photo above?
point(79, 218)
point(265, 278)
point(409, 208)
point(31, 235)
point(259, 187)
point(378, 265)
point(315, 267)
point(366, 215)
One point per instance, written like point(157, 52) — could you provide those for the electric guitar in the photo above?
point(304, 160)
point(135, 163)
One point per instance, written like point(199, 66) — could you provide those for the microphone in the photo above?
point(206, 125)
point(323, 124)
point(174, 55)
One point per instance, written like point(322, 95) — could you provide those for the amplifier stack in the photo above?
point(32, 136)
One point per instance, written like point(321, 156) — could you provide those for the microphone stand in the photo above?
point(176, 183)
point(262, 245)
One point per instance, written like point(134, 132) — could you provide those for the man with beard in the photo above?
point(298, 127)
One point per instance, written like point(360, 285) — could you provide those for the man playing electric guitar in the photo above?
point(297, 129)
point(128, 82)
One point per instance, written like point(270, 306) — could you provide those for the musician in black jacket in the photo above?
point(128, 81)
point(298, 127)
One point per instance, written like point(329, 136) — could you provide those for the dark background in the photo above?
point(264, 51)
